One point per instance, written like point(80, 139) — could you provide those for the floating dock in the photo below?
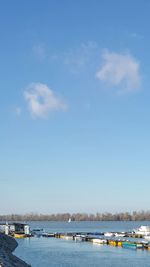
point(128, 240)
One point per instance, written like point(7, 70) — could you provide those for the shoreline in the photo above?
point(7, 259)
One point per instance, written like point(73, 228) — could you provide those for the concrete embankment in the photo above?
point(7, 259)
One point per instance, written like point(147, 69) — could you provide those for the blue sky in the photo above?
point(74, 106)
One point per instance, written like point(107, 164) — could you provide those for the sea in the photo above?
point(52, 252)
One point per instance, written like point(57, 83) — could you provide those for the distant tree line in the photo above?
point(122, 216)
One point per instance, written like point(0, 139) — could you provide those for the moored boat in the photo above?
point(37, 232)
point(132, 245)
point(147, 237)
point(108, 234)
point(99, 241)
point(142, 230)
point(112, 242)
point(19, 235)
point(67, 237)
point(79, 237)
point(122, 234)
point(48, 235)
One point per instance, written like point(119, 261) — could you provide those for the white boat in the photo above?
point(122, 234)
point(79, 237)
point(99, 241)
point(108, 234)
point(147, 237)
point(68, 237)
point(37, 232)
point(69, 220)
point(142, 230)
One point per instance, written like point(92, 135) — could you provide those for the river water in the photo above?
point(50, 252)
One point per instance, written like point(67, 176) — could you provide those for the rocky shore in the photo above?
point(7, 259)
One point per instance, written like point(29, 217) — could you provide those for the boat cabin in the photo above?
point(18, 228)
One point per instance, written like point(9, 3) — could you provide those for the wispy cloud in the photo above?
point(41, 100)
point(39, 51)
point(136, 35)
point(18, 111)
point(120, 71)
point(78, 58)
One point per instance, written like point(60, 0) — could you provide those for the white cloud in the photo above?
point(120, 71)
point(41, 100)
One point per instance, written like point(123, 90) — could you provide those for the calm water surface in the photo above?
point(50, 252)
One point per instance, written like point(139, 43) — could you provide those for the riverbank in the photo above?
point(7, 259)
point(60, 217)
